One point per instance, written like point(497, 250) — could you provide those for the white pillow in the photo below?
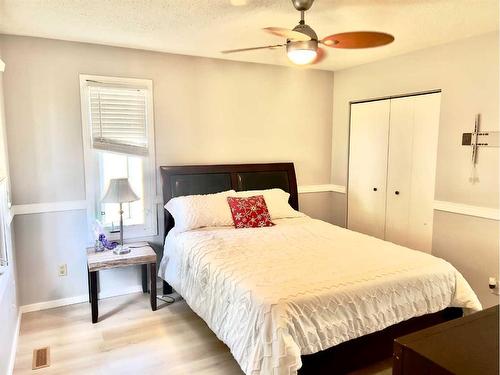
point(276, 202)
point(197, 211)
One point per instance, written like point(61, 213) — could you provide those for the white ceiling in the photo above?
point(204, 27)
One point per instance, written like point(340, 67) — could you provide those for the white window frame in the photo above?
point(92, 170)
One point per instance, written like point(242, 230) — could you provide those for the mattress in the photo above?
point(273, 294)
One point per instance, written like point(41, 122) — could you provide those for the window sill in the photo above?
point(131, 234)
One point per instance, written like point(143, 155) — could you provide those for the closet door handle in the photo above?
point(374, 189)
point(396, 192)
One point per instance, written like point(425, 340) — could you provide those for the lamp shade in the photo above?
point(119, 191)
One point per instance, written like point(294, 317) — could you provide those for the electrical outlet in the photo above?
point(63, 270)
point(493, 285)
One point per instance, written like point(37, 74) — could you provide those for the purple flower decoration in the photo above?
point(110, 245)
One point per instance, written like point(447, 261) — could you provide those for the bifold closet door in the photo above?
point(399, 169)
point(369, 132)
point(411, 170)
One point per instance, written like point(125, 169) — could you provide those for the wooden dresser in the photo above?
point(464, 346)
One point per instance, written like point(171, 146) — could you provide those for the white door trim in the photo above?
point(13, 348)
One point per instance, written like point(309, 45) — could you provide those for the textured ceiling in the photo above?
point(204, 27)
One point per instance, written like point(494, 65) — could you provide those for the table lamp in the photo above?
point(119, 191)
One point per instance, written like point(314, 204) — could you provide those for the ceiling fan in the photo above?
point(302, 43)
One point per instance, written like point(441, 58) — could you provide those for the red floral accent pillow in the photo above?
point(249, 212)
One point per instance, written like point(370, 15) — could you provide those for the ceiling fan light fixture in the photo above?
point(302, 53)
point(302, 42)
point(302, 56)
point(238, 3)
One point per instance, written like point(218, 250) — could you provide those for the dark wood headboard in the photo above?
point(206, 179)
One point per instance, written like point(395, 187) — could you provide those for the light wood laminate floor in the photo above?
point(129, 339)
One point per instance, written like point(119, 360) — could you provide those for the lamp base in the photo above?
point(121, 249)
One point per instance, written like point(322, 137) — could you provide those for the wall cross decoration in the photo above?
point(476, 139)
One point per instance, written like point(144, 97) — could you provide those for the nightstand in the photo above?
point(466, 346)
point(140, 254)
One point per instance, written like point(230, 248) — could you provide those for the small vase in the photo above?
point(98, 246)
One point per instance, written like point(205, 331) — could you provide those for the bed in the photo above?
point(304, 295)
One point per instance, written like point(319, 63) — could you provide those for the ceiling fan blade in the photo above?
point(286, 33)
point(253, 48)
point(320, 55)
point(357, 39)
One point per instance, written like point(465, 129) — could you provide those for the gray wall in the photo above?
point(467, 71)
point(206, 111)
point(213, 111)
point(60, 238)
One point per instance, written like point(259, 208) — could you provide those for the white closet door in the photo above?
point(368, 167)
point(399, 168)
point(423, 177)
point(414, 126)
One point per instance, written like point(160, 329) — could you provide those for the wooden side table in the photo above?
point(140, 254)
point(464, 346)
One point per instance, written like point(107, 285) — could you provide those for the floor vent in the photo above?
point(41, 358)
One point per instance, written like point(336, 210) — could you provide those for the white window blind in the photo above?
point(118, 118)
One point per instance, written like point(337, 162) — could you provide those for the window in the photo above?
point(118, 131)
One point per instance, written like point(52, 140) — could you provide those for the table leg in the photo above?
point(88, 279)
point(152, 269)
point(144, 270)
point(167, 289)
point(93, 296)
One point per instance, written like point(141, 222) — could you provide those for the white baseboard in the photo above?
point(13, 349)
point(77, 299)
point(54, 303)
point(120, 292)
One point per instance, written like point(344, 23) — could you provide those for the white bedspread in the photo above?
point(273, 294)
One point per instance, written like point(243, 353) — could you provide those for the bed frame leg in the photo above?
point(167, 289)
